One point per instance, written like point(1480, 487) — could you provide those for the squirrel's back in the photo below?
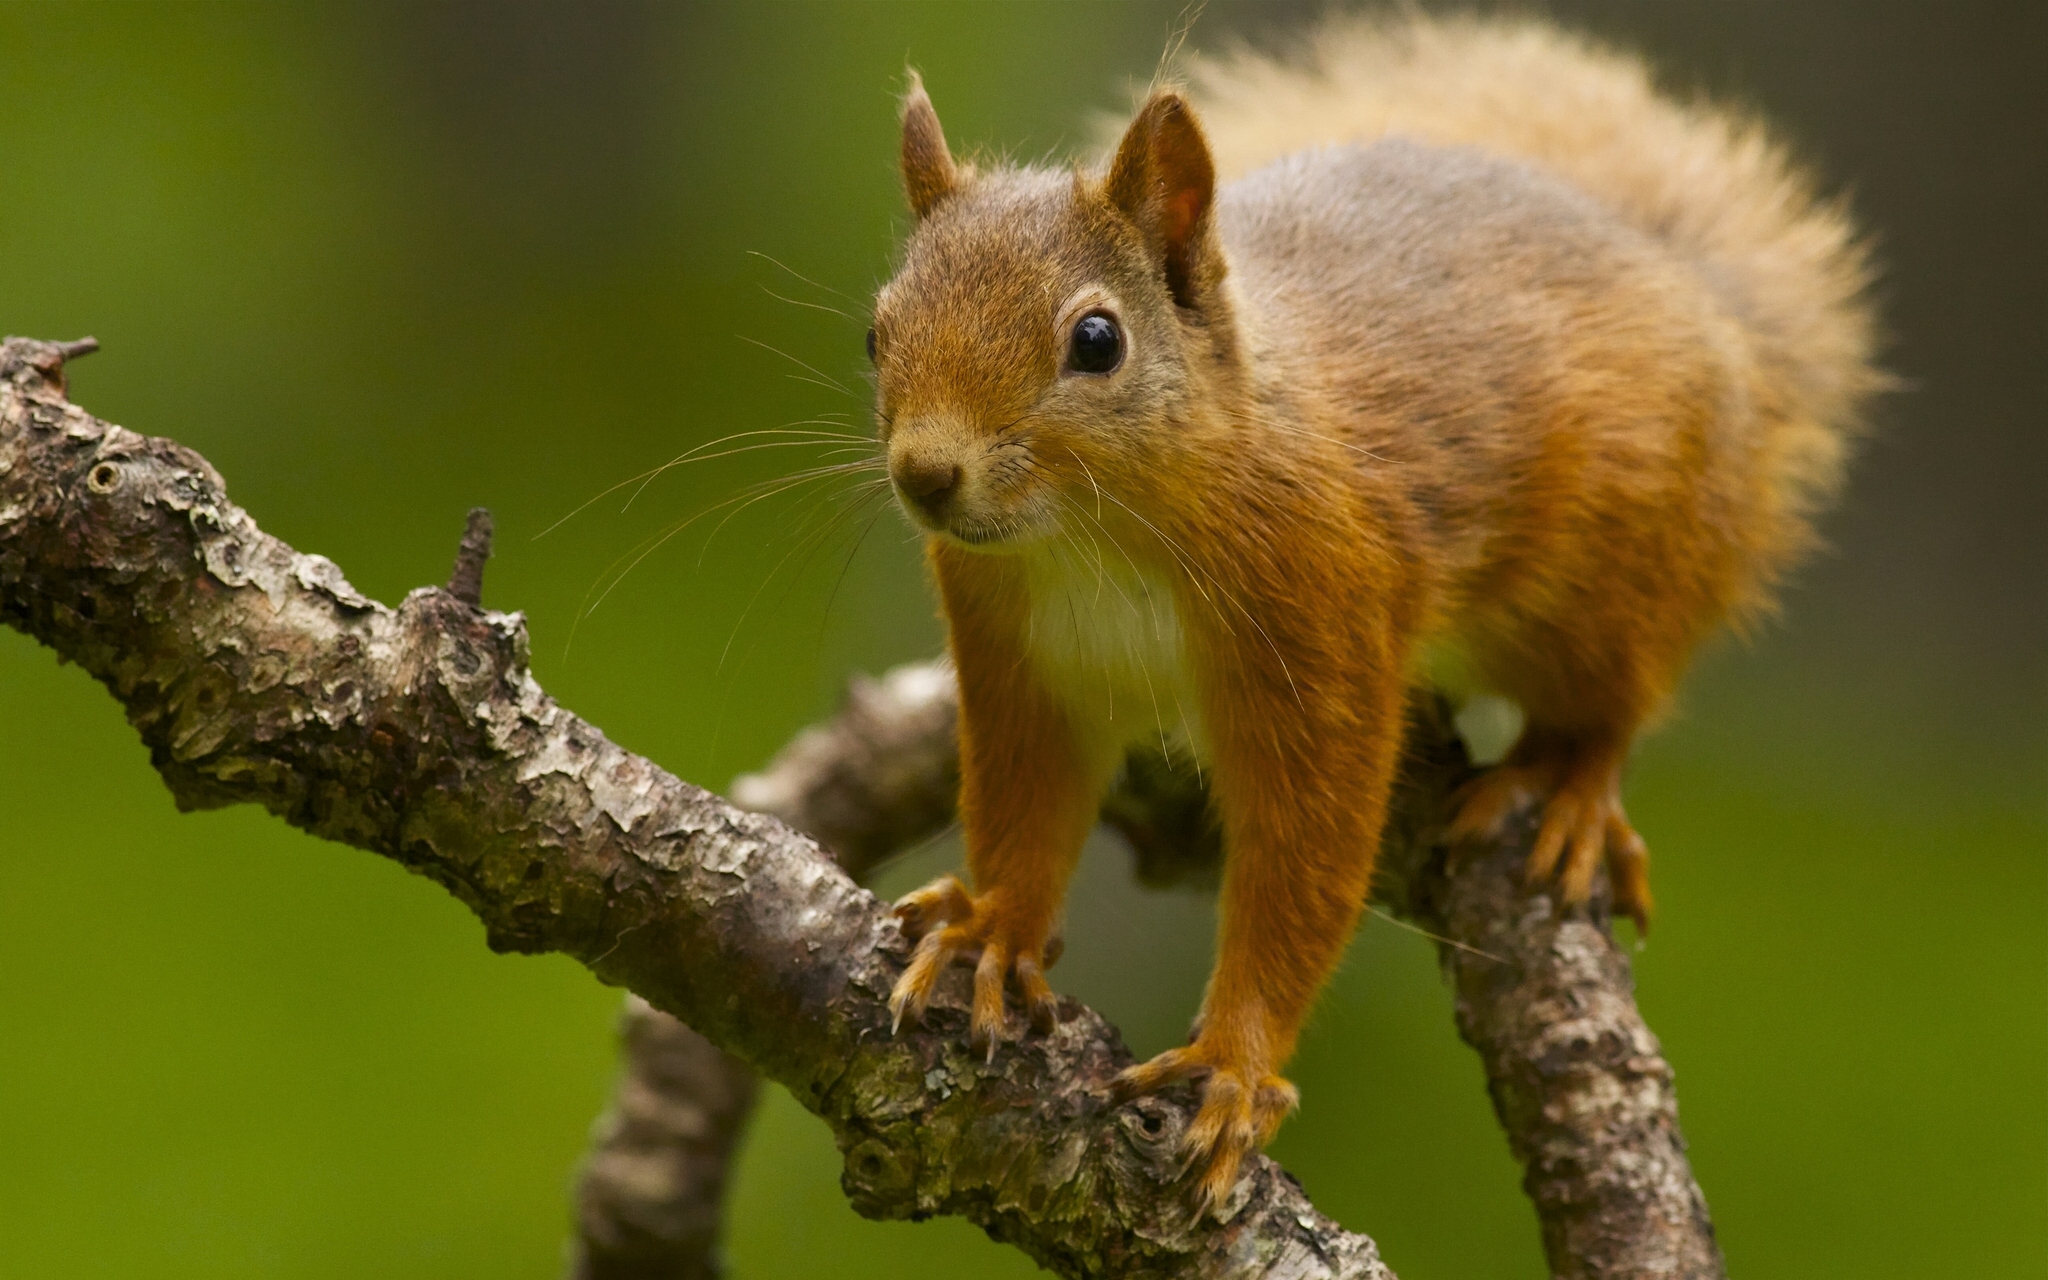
point(1711, 186)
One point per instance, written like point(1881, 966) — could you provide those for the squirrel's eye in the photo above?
point(1097, 345)
point(871, 346)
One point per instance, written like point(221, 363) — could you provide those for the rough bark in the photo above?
point(650, 1199)
point(257, 674)
point(1578, 1081)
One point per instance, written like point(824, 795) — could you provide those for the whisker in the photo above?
point(806, 279)
point(828, 385)
point(1398, 922)
point(1091, 482)
point(783, 485)
point(815, 306)
point(860, 494)
point(654, 542)
point(693, 453)
point(827, 380)
point(837, 448)
point(912, 850)
point(1180, 708)
point(1195, 576)
point(1158, 635)
point(1293, 428)
point(812, 541)
point(880, 491)
point(832, 596)
point(1178, 554)
point(1101, 576)
point(1186, 565)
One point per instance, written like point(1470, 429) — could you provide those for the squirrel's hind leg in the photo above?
point(1577, 780)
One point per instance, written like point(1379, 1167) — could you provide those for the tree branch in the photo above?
point(1577, 1079)
point(257, 674)
point(650, 1200)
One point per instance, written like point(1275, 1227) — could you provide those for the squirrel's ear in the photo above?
point(928, 171)
point(1163, 180)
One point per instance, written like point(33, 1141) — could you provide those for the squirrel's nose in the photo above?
point(928, 482)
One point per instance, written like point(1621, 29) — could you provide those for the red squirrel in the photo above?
point(1441, 354)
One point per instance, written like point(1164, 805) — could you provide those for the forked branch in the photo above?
point(256, 674)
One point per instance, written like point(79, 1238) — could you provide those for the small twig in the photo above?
point(466, 583)
point(48, 358)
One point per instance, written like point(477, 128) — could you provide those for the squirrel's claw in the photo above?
point(1157, 1073)
point(985, 1026)
point(1583, 826)
point(943, 901)
point(952, 926)
point(1242, 1107)
point(913, 991)
point(1041, 1005)
point(1480, 809)
point(1236, 1119)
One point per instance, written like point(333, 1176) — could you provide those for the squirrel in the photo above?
point(1439, 354)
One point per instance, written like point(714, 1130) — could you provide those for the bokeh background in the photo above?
point(383, 262)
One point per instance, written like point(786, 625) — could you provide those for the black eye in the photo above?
point(871, 346)
point(1097, 345)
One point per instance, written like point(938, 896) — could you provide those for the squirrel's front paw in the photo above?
point(1242, 1107)
point(1583, 825)
point(952, 925)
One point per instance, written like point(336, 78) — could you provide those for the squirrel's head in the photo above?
point(1048, 329)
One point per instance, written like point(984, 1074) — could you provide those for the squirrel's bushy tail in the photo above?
point(1710, 183)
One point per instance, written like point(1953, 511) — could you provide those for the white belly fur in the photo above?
point(1108, 637)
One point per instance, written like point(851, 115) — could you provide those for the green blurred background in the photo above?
point(381, 263)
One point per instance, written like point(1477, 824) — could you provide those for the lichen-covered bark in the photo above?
point(257, 674)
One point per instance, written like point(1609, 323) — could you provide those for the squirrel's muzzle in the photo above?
point(927, 483)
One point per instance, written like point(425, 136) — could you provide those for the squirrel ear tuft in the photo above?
point(1163, 180)
point(929, 174)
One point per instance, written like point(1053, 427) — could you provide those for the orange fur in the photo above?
point(1525, 400)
